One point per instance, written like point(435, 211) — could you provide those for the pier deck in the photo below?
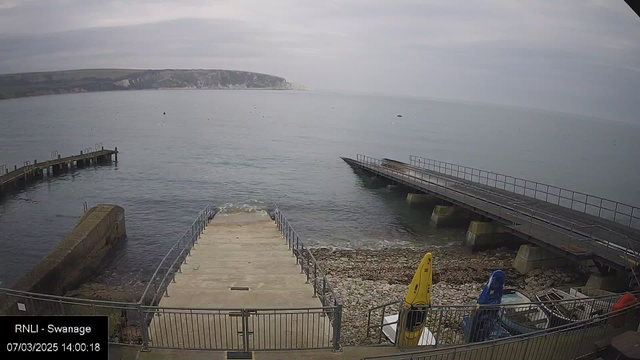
point(575, 234)
point(33, 171)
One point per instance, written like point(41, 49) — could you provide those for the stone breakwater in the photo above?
point(367, 278)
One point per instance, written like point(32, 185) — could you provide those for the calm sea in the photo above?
point(246, 149)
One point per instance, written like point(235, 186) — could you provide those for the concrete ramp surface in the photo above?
point(241, 277)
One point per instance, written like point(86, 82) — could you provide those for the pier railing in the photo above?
point(449, 325)
point(580, 238)
point(616, 211)
point(175, 257)
point(569, 341)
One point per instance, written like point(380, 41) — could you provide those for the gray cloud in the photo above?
point(574, 56)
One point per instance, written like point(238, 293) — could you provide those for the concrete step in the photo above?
point(230, 299)
point(216, 281)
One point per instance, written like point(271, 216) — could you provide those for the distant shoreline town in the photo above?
point(93, 80)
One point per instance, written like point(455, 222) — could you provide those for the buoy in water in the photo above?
point(398, 115)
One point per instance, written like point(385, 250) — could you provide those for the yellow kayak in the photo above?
point(417, 300)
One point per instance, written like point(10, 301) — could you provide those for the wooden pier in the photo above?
point(29, 172)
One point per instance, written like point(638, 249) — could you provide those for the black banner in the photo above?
point(54, 337)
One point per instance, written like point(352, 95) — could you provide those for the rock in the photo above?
point(96, 291)
point(535, 272)
point(365, 278)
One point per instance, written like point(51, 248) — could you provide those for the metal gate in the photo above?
point(242, 330)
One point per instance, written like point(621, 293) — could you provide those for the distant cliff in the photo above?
point(76, 81)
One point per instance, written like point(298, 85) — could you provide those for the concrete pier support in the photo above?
point(376, 182)
point(607, 282)
point(421, 198)
point(531, 257)
point(444, 215)
point(482, 234)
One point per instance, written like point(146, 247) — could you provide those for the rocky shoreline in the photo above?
point(367, 278)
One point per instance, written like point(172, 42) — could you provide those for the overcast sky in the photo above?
point(577, 56)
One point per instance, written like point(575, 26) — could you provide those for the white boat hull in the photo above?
point(389, 330)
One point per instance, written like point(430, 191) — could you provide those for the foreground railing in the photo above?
point(124, 318)
point(309, 266)
point(241, 330)
point(570, 341)
point(580, 238)
point(191, 328)
point(621, 213)
point(448, 325)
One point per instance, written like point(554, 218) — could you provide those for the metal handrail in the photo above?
point(236, 309)
point(574, 224)
point(454, 170)
point(320, 289)
point(413, 160)
point(557, 302)
point(66, 299)
point(545, 219)
point(581, 300)
point(529, 208)
point(299, 250)
point(198, 226)
point(564, 328)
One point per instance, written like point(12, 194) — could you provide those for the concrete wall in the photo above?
point(78, 254)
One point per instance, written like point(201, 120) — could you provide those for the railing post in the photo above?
point(315, 279)
point(144, 330)
point(579, 345)
point(399, 340)
point(245, 330)
point(324, 290)
point(337, 326)
point(308, 266)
